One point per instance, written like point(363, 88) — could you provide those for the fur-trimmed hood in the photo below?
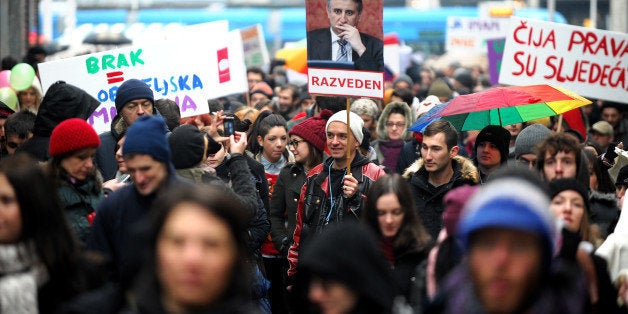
point(606, 198)
point(381, 122)
point(468, 171)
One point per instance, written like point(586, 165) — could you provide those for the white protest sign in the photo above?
point(346, 82)
point(254, 45)
point(188, 75)
point(591, 62)
point(148, 34)
point(392, 53)
point(471, 33)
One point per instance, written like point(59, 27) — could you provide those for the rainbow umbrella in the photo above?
point(505, 106)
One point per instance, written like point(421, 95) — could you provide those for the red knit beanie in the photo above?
point(72, 135)
point(313, 129)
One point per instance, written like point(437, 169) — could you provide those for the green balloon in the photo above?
point(8, 96)
point(22, 76)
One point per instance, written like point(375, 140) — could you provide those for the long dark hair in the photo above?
point(218, 201)
point(43, 220)
point(604, 181)
point(264, 122)
point(411, 234)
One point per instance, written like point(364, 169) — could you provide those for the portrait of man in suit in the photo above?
point(342, 41)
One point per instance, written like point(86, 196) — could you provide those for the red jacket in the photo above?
point(314, 202)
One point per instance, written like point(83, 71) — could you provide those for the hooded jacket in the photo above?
point(382, 133)
point(429, 199)
point(349, 254)
point(315, 205)
point(62, 101)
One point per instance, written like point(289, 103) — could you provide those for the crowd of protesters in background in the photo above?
point(307, 207)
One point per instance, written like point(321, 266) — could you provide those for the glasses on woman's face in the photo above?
point(391, 124)
point(295, 143)
point(526, 163)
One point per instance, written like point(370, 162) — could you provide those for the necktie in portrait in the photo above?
point(342, 51)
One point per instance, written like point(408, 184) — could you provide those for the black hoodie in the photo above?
point(348, 254)
point(62, 101)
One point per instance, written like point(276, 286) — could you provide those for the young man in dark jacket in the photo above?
point(438, 171)
point(147, 156)
point(331, 194)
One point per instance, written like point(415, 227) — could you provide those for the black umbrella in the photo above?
point(106, 38)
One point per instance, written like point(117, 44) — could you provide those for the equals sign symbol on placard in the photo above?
point(115, 77)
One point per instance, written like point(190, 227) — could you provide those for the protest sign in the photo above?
point(346, 82)
point(148, 34)
point(254, 46)
point(591, 62)
point(391, 53)
point(187, 74)
point(345, 50)
point(495, 49)
point(471, 33)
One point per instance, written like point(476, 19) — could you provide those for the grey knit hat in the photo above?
point(529, 137)
point(403, 78)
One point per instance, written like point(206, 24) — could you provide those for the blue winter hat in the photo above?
point(131, 90)
point(148, 136)
point(522, 206)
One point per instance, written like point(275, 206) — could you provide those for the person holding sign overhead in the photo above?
point(342, 41)
point(333, 194)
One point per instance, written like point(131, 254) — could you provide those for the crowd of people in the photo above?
point(308, 208)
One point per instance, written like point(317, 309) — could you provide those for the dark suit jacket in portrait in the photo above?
point(319, 48)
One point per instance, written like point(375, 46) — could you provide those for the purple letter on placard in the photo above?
point(495, 52)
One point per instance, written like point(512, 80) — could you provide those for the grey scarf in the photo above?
point(21, 273)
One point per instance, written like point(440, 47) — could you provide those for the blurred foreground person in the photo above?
point(509, 236)
point(343, 271)
point(196, 261)
point(40, 267)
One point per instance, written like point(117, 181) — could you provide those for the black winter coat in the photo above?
point(259, 225)
point(603, 211)
point(429, 199)
point(115, 228)
point(405, 273)
point(283, 205)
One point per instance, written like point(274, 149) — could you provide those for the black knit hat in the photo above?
point(497, 135)
point(566, 184)
point(131, 90)
point(187, 144)
point(353, 254)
